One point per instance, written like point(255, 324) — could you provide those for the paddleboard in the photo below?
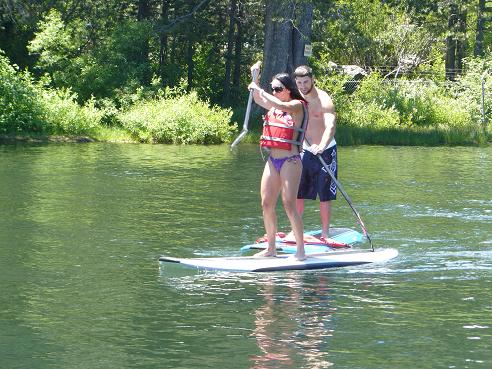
point(344, 235)
point(332, 259)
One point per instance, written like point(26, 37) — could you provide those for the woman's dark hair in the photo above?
point(289, 84)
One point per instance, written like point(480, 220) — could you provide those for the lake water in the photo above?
point(82, 227)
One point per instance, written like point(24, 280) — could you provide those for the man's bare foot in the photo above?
point(266, 254)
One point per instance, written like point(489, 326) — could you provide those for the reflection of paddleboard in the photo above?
point(340, 235)
point(324, 260)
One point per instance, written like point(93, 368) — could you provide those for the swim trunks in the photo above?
point(315, 180)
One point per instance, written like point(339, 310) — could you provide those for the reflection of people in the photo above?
point(292, 330)
point(315, 181)
point(282, 128)
point(269, 335)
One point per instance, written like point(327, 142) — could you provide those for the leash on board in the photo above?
point(345, 195)
point(244, 132)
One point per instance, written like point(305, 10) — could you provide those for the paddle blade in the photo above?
point(239, 139)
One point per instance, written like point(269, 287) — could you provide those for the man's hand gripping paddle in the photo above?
point(254, 75)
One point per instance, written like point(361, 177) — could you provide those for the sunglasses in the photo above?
point(277, 89)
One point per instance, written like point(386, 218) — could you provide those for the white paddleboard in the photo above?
point(325, 260)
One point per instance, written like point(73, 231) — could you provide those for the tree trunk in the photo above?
point(236, 87)
point(189, 62)
point(287, 31)
point(238, 47)
point(480, 29)
point(302, 34)
point(163, 42)
point(456, 41)
point(143, 14)
point(451, 43)
point(143, 10)
point(230, 45)
point(277, 52)
point(461, 42)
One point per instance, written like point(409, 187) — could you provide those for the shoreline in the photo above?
point(45, 139)
point(344, 139)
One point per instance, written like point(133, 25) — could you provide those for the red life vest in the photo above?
point(279, 130)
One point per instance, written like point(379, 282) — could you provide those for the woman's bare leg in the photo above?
point(290, 176)
point(270, 189)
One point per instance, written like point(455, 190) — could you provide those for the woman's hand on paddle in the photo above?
point(258, 95)
point(255, 71)
point(254, 87)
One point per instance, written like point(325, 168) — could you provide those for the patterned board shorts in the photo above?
point(315, 180)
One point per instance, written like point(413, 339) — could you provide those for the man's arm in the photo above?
point(329, 120)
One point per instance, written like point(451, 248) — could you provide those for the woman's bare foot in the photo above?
point(300, 257)
point(266, 254)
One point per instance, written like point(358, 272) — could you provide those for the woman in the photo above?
point(283, 130)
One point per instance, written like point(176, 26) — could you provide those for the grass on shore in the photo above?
point(345, 136)
point(402, 136)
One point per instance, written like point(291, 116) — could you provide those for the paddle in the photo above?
point(243, 133)
point(345, 195)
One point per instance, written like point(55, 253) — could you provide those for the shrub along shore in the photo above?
point(398, 112)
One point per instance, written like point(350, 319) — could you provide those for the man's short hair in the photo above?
point(303, 71)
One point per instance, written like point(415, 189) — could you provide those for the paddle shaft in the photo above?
point(247, 114)
point(345, 195)
point(246, 120)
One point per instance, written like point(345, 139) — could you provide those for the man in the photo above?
point(315, 181)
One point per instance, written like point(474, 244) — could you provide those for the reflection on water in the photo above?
point(82, 227)
point(292, 317)
point(293, 326)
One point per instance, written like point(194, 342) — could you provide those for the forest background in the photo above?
point(175, 71)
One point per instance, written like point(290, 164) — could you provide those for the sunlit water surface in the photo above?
point(82, 226)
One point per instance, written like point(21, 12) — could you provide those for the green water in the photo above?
point(82, 226)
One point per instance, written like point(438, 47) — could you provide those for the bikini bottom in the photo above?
point(279, 162)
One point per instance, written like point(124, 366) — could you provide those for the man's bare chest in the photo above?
point(315, 111)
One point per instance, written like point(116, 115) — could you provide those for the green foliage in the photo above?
point(445, 113)
point(181, 119)
point(58, 47)
point(115, 66)
point(365, 114)
point(63, 115)
point(170, 116)
point(20, 106)
point(103, 58)
point(469, 87)
point(28, 108)
point(405, 103)
point(89, 67)
point(359, 32)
